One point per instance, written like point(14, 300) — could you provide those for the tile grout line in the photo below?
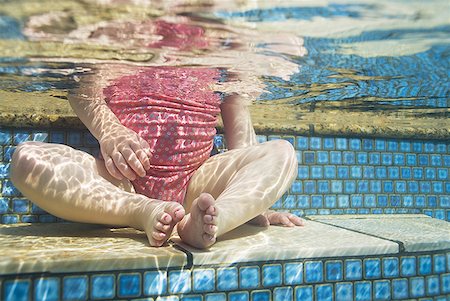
point(401, 247)
point(189, 255)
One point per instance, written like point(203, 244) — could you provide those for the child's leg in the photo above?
point(75, 186)
point(239, 184)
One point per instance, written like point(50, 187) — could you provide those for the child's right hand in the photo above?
point(125, 153)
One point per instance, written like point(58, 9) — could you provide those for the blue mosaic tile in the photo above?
point(353, 269)
point(374, 158)
point(47, 218)
point(336, 157)
point(296, 187)
point(445, 281)
point(430, 173)
point(216, 297)
point(418, 173)
point(75, 288)
point(330, 201)
point(441, 148)
point(322, 157)
point(16, 290)
point(302, 143)
point(227, 279)
point(336, 186)
point(386, 159)
point(304, 293)
point(367, 144)
point(221, 141)
point(283, 294)
point(179, 282)
point(183, 298)
point(405, 146)
point(293, 273)
point(388, 186)
point(323, 187)
point(432, 285)
point(349, 187)
point(382, 290)
point(437, 187)
point(400, 288)
point(74, 138)
point(382, 200)
point(271, 275)
point(102, 287)
point(238, 296)
point(315, 143)
point(363, 291)
point(423, 160)
point(341, 143)
point(375, 186)
point(438, 264)
point(316, 201)
point(8, 189)
point(417, 147)
point(392, 146)
point(343, 172)
point(10, 219)
point(380, 145)
point(405, 173)
point(21, 136)
point(372, 268)
point(8, 152)
point(290, 202)
point(356, 172)
point(58, 137)
point(417, 287)
point(357, 201)
point(381, 173)
point(20, 206)
point(344, 291)
point(29, 219)
point(343, 201)
point(413, 187)
point(313, 271)
point(46, 289)
point(249, 277)
point(393, 173)
point(411, 159)
point(349, 158)
point(446, 159)
point(328, 143)
point(324, 292)
point(333, 270)
point(39, 136)
point(363, 186)
point(5, 137)
point(432, 201)
point(129, 285)
point(309, 157)
point(155, 283)
point(260, 295)
point(316, 172)
point(355, 144)
point(362, 158)
point(4, 206)
point(390, 267)
point(369, 172)
point(89, 139)
point(309, 187)
point(4, 170)
point(303, 172)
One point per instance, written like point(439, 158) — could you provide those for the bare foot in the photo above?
point(199, 228)
point(276, 218)
point(160, 218)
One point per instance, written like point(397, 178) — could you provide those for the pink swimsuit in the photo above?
point(175, 111)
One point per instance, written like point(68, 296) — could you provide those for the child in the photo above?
point(155, 128)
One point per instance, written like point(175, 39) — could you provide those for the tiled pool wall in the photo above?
point(336, 175)
point(388, 277)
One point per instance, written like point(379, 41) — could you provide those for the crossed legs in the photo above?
point(227, 191)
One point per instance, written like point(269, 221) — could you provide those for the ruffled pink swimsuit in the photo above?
point(175, 111)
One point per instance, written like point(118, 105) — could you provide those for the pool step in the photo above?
point(338, 257)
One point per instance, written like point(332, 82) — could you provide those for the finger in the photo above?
point(111, 167)
point(145, 147)
point(141, 154)
point(296, 220)
point(123, 167)
point(133, 161)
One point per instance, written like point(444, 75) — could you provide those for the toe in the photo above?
point(210, 219)
point(210, 229)
point(165, 218)
point(204, 201)
point(211, 210)
point(162, 227)
point(158, 235)
point(208, 238)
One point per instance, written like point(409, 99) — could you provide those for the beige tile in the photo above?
point(250, 243)
point(59, 247)
point(417, 232)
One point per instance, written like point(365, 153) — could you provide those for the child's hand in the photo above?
point(125, 153)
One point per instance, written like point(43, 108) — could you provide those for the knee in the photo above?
point(23, 162)
point(283, 150)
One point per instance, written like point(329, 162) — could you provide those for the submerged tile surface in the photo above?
point(416, 232)
point(73, 247)
point(251, 243)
